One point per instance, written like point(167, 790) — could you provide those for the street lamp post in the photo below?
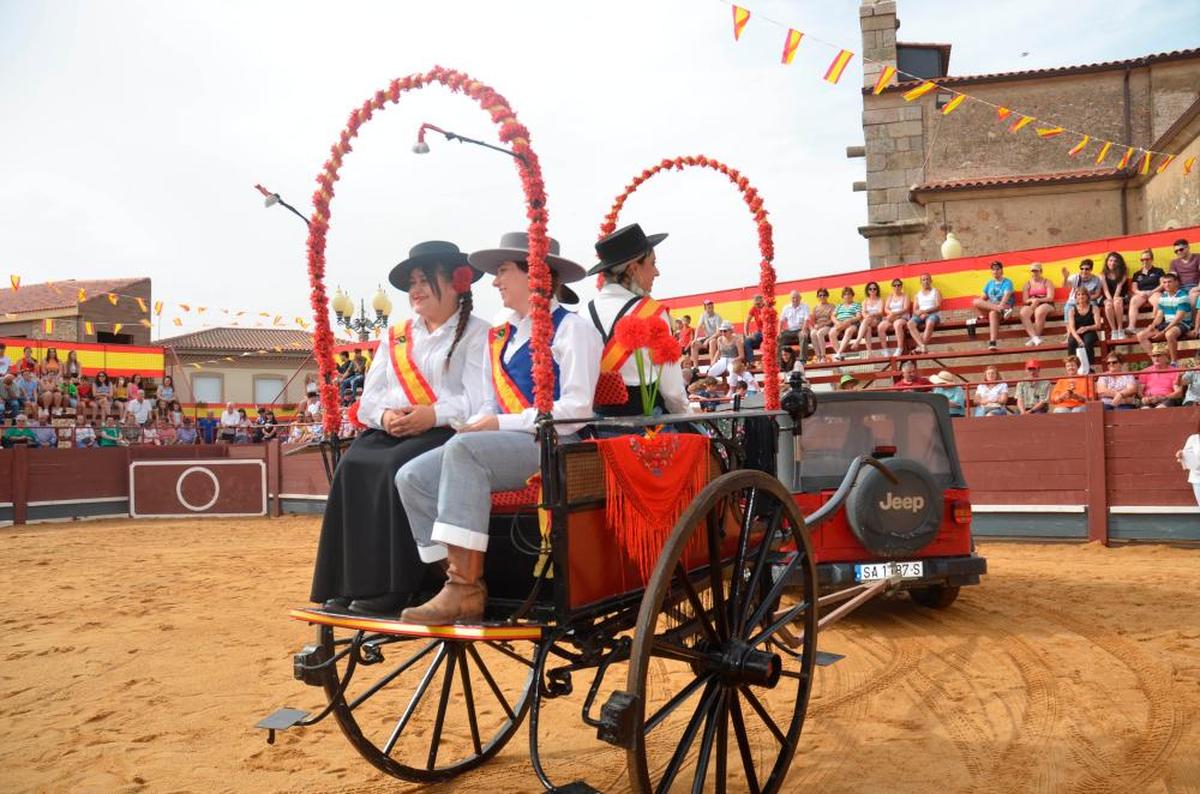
point(343, 310)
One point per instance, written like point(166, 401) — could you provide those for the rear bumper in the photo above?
point(953, 571)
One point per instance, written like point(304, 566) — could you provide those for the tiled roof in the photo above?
point(57, 294)
point(1053, 71)
point(241, 340)
point(1061, 177)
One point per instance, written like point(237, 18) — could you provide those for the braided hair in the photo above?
point(465, 305)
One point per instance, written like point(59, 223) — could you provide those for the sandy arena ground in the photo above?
point(138, 655)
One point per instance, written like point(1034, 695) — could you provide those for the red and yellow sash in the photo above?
point(512, 400)
point(416, 388)
point(616, 354)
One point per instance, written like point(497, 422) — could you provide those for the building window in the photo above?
point(109, 338)
point(926, 63)
point(207, 389)
point(268, 389)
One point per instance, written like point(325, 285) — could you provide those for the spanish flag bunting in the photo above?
point(278, 349)
point(1145, 167)
point(117, 328)
point(229, 358)
point(278, 320)
point(790, 44)
point(1126, 157)
point(113, 298)
point(740, 17)
point(144, 322)
point(88, 328)
point(1188, 163)
point(200, 309)
point(185, 307)
point(1166, 161)
point(194, 364)
point(16, 282)
point(48, 325)
point(952, 104)
point(1103, 152)
point(837, 66)
point(1019, 123)
point(141, 304)
point(1002, 113)
point(885, 77)
point(158, 307)
point(177, 321)
point(920, 91)
point(239, 314)
point(1079, 147)
point(1049, 132)
point(82, 295)
point(264, 314)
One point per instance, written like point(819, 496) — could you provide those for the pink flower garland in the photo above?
point(513, 133)
point(766, 247)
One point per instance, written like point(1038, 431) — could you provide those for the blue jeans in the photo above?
point(750, 344)
point(981, 411)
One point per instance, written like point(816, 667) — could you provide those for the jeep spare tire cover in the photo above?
point(894, 519)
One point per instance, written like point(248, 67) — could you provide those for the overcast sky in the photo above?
point(131, 133)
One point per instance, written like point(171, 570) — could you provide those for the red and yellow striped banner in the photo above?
point(1145, 166)
point(1104, 150)
point(16, 282)
point(1049, 132)
point(837, 66)
point(790, 44)
point(94, 357)
point(1166, 161)
point(1002, 114)
point(1020, 123)
point(1079, 147)
point(953, 104)
point(740, 17)
point(920, 91)
point(1188, 164)
point(1126, 157)
point(885, 79)
point(416, 388)
point(508, 394)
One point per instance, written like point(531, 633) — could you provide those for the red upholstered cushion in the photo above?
point(512, 501)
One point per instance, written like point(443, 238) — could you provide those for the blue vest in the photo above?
point(520, 366)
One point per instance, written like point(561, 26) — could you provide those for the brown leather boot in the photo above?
point(462, 597)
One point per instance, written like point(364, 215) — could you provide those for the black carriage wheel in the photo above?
point(722, 659)
point(427, 709)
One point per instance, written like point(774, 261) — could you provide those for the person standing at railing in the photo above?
point(207, 428)
point(1189, 459)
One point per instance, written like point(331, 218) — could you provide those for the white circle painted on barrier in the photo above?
point(179, 488)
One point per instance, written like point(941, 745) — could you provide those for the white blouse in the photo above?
point(382, 390)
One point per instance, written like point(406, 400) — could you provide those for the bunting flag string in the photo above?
point(16, 282)
point(888, 73)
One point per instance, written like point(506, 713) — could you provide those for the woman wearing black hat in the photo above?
point(629, 266)
point(367, 561)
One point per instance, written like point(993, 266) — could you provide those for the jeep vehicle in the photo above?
point(918, 527)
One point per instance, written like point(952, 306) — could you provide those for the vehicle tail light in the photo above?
point(884, 451)
point(962, 512)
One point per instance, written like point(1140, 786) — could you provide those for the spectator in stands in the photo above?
point(164, 429)
point(5, 361)
point(43, 431)
point(85, 399)
point(1158, 384)
point(207, 428)
point(10, 396)
point(740, 375)
point(136, 386)
point(947, 385)
point(991, 396)
point(1038, 303)
point(1172, 319)
point(709, 390)
point(787, 361)
point(794, 325)
point(102, 390)
point(927, 305)
point(1116, 388)
point(752, 329)
point(822, 324)
point(51, 365)
point(150, 434)
point(110, 434)
point(1116, 293)
point(1083, 327)
point(165, 393)
point(27, 387)
point(1071, 392)
point(29, 363)
point(872, 316)
point(1146, 287)
point(70, 392)
point(175, 413)
point(1085, 278)
point(846, 317)
point(707, 327)
point(686, 334)
point(71, 368)
point(244, 430)
point(186, 434)
point(896, 312)
point(1190, 381)
point(49, 393)
point(723, 349)
point(848, 383)
point(1033, 396)
point(1189, 459)
point(345, 370)
point(131, 431)
point(997, 302)
point(139, 408)
point(120, 396)
point(230, 419)
point(910, 380)
point(20, 434)
point(310, 409)
point(270, 425)
point(359, 369)
point(85, 436)
point(1186, 266)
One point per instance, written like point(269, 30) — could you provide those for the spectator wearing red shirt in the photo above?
point(909, 380)
point(1186, 265)
point(28, 363)
point(753, 328)
point(685, 333)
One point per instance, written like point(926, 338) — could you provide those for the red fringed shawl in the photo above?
point(648, 482)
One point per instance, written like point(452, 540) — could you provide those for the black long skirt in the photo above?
point(366, 547)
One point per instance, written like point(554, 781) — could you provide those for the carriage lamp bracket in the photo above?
point(618, 653)
point(308, 663)
point(618, 719)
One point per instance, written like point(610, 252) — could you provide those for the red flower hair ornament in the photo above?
point(462, 278)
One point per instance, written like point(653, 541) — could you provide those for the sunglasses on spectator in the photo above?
point(1180, 249)
point(897, 283)
point(822, 293)
point(1085, 268)
point(1147, 259)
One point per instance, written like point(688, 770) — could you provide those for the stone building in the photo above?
point(997, 190)
point(23, 311)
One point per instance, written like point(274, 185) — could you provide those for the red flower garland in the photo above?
point(766, 247)
point(513, 133)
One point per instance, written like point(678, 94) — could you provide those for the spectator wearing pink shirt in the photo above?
point(1159, 384)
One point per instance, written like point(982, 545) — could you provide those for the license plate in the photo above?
point(874, 571)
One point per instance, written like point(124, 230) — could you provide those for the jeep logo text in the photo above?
point(913, 504)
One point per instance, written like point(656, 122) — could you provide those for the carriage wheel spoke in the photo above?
point(689, 736)
point(469, 699)
point(739, 562)
point(491, 682)
point(676, 700)
point(447, 682)
point(723, 741)
point(669, 650)
point(711, 723)
point(787, 617)
point(760, 564)
point(509, 652)
point(387, 679)
point(697, 607)
point(743, 743)
point(764, 715)
point(715, 577)
point(776, 589)
point(416, 699)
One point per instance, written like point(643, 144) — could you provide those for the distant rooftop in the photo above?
point(50, 295)
point(241, 340)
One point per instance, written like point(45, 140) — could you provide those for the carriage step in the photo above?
point(281, 720)
point(825, 658)
point(578, 787)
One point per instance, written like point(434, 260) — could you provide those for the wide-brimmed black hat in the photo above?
point(514, 247)
point(623, 245)
point(426, 255)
